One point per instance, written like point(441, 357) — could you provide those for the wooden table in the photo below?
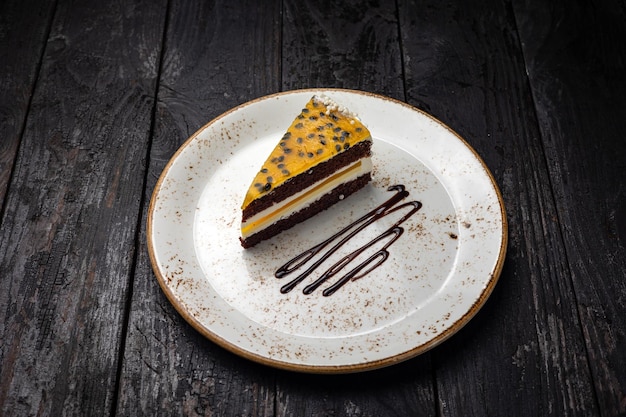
point(97, 96)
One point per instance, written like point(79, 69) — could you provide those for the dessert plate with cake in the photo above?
point(326, 231)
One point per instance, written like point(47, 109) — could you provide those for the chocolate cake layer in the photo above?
point(322, 204)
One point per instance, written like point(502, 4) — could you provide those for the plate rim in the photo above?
point(457, 325)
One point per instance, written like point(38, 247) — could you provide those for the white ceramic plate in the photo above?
point(438, 275)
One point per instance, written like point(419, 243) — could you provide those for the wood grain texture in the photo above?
point(22, 40)
point(452, 73)
point(351, 44)
point(69, 227)
point(169, 368)
point(576, 55)
point(395, 391)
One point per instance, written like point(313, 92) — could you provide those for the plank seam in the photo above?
point(35, 82)
point(142, 206)
point(561, 234)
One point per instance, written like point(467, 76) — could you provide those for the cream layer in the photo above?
point(304, 198)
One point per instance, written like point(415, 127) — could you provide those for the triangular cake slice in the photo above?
point(324, 156)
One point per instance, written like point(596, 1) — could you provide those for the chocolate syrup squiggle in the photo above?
point(363, 268)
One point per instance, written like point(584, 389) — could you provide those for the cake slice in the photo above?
point(324, 156)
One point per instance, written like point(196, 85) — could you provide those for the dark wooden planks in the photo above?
point(69, 227)
point(464, 65)
point(548, 342)
point(352, 44)
point(22, 40)
point(400, 390)
point(349, 45)
point(576, 59)
point(217, 55)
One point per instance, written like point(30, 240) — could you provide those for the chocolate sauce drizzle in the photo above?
point(364, 268)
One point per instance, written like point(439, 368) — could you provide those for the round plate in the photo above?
point(438, 274)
